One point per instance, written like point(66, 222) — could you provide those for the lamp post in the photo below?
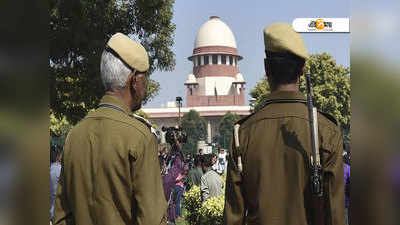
point(179, 102)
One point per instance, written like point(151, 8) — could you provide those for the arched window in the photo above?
point(231, 60)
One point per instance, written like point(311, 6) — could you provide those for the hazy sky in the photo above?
point(247, 20)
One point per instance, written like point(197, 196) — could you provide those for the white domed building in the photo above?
point(215, 86)
point(215, 80)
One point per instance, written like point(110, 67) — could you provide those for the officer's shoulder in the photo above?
point(329, 118)
point(133, 125)
point(142, 120)
point(244, 119)
point(147, 124)
point(243, 122)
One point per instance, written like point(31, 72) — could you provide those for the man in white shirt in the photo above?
point(221, 161)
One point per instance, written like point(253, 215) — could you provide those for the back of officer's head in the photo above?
point(121, 57)
point(285, 53)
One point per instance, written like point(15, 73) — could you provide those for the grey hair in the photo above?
point(113, 71)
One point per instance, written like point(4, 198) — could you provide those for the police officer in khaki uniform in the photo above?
point(268, 170)
point(110, 172)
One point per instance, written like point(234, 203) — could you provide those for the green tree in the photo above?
point(79, 30)
point(225, 129)
point(195, 128)
point(331, 89)
point(59, 129)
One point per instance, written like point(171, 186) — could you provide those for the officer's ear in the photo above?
point(131, 81)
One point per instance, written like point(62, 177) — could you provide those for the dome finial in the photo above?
point(214, 17)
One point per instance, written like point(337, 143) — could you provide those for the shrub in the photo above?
point(192, 203)
point(211, 211)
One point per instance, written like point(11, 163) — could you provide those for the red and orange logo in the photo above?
point(319, 24)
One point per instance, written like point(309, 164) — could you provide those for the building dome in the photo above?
point(215, 33)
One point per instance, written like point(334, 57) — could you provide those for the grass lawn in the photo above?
point(182, 221)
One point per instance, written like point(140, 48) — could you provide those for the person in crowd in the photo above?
point(172, 180)
point(201, 152)
point(189, 161)
point(221, 161)
point(346, 159)
point(196, 173)
point(214, 162)
point(268, 176)
point(347, 191)
point(179, 189)
point(211, 184)
point(163, 156)
point(110, 173)
point(55, 169)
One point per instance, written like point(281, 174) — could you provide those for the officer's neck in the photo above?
point(285, 87)
point(123, 95)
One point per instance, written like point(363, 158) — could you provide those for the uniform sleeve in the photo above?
point(334, 173)
point(234, 203)
point(205, 192)
point(149, 201)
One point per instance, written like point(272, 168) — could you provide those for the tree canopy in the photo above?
point(225, 129)
point(330, 85)
point(79, 30)
point(196, 129)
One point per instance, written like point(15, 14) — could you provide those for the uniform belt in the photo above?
point(112, 107)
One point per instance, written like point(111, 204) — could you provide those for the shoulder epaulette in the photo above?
point(329, 117)
point(147, 123)
point(241, 121)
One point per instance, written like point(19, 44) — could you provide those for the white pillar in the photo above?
point(209, 132)
point(219, 59)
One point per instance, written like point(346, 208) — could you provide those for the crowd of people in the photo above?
point(180, 173)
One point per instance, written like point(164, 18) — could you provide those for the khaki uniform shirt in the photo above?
point(110, 171)
point(211, 185)
point(275, 149)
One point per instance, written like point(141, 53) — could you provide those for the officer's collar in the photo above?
point(286, 95)
point(115, 101)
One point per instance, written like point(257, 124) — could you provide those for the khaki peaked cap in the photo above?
point(129, 51)
point(281, 37)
